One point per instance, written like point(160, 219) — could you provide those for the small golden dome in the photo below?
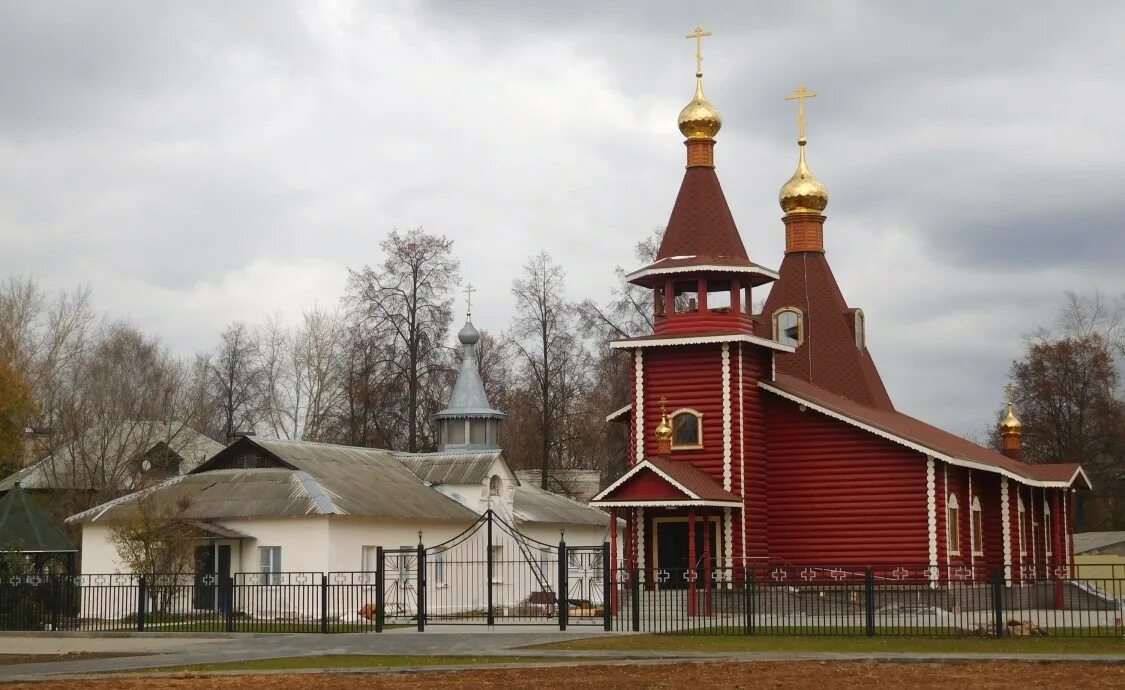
point(699, 119)
point(1010, 424)
point(803, 193)
point(663, 429)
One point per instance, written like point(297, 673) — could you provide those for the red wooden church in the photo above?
point(769, 439)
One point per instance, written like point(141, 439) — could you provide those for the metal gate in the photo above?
point(492, 574)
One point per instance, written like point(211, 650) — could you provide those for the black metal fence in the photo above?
point(999, 601)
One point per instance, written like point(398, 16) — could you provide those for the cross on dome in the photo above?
point(469, 290)
point(699, 34)
point(800, 95)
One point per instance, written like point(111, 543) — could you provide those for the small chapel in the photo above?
point(768, 439)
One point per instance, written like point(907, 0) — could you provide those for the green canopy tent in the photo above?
point(26, 529)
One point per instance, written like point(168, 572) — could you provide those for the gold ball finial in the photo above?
point(663, 429)
point(1010, 424)
point(699, 119)
point(802, 193)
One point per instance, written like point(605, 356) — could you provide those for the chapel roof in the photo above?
point(469, 399)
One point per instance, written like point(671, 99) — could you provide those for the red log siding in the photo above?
point(941, 493)
point(958, 478)
point(756, 364)
point(986, 486)
point(647, 486)
point(840, 495)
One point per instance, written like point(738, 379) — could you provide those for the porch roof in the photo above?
point(662, 482)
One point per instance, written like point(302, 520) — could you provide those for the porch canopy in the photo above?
point(664, 483)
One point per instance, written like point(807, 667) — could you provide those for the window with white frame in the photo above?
point(1047, 528)
point(269, 564)
point(1022, 526)
point(687, 429)
point(952, 530)
point(369, 559)
point(977, 527)
point(497, 558)
point(439, 568)
point(860, 334)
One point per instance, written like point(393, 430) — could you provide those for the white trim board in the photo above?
point(701, 340)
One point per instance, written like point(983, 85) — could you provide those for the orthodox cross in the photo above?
point(699, 34)
point(800, 95)
point(1008, 389)
point(663, 406)
point(469, 290)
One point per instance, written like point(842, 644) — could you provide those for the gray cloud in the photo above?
point(201, 163)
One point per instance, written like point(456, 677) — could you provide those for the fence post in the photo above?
point(491, 617)
point(323, 603)
point(869, 600)
point(998, 601)
point(563, 589)
point(635, 598)
point(607, 589)
point(142, 595)
point(421, 587)
point(749, 582)
point(230, 609)
point(380, 589)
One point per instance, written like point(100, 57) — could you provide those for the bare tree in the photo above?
point(236, 380)
point(629, 312)
point(408, 300)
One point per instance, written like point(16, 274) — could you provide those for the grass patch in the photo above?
point(756, 643)
point(331, 661)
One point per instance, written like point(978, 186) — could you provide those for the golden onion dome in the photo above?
point(663, 429)
point(1010, 424)
point(803, 193)
point(700, 119)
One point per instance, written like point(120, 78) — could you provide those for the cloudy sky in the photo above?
point(200, 163)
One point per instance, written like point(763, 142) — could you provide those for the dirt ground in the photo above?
point(829, 674)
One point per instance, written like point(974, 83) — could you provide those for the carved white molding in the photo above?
point(1006, 528)
point(639, 397)
point(931, 515)
point(726, 418)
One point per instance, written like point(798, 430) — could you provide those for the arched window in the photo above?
point(952, 531)
point(977, 528)
point(788, 327)
point(1022, 526)
point(687, 429)
point(1046, 527)
point(860, 333)
point(494, 485)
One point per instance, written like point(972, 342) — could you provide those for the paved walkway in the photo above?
point(499, 642)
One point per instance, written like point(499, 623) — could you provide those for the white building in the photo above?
point(277, 515)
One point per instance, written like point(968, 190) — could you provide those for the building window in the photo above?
point(369, 561)
point(1022, 527)
point(977, 528)
point(787, 326)
point(497, 552)
point(687, 429)
point(269, 564)
point(1047, 528)
point(455, 431)
point(439, 568)
point(495, 484)
point(686, 296)
point(952, 533)
point(718, 295)
point(860, 333)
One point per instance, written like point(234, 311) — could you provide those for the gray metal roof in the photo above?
point(100, 453)
point(468, 398)
point(322, 479)
point(532, 504)
point(581, 485)
point(450, 468)
point(1092, 541)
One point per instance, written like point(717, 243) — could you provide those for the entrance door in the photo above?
point(672, 549)
point(203, 593)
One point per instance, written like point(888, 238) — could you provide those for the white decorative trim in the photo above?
point(728, 539)
point(959, 462)
point(641, 542)
point(612, 416)
point(1066, 531)
point(1006, 529)
point(931, 515)
point(642, 465)
point(639, 403)
point(700, 340)
point(945, 507)
point(726, 418)
point(974, 506)
point(687, 503)
point(650, 271)
point(742, 454)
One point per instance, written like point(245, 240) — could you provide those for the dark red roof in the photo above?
point(828, 357)
point(683, 474)
point(701, 223)
point(919, 433)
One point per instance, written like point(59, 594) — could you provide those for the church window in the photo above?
point(718, 295)
point(686, 296)
point(269, 564)
point(860, 334)
point(1022, 527)
point(494, 485)
point(687, 429)
point(952, 527)
point(477, 432)
point(658, 305)
point(369, 561)
point(787, 326)
point(455, 431)
point(1046, 528)
point(977, 528)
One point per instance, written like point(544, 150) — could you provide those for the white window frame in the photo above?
point(439, 569)
point(497, 557)
point(1022, 512)
point(698, 427)
point(269, 564)
point(1047, 528)
point(976, 528)
point(860, 326)
point(953, 539)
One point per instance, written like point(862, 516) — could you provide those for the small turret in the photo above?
point(1011, 431)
